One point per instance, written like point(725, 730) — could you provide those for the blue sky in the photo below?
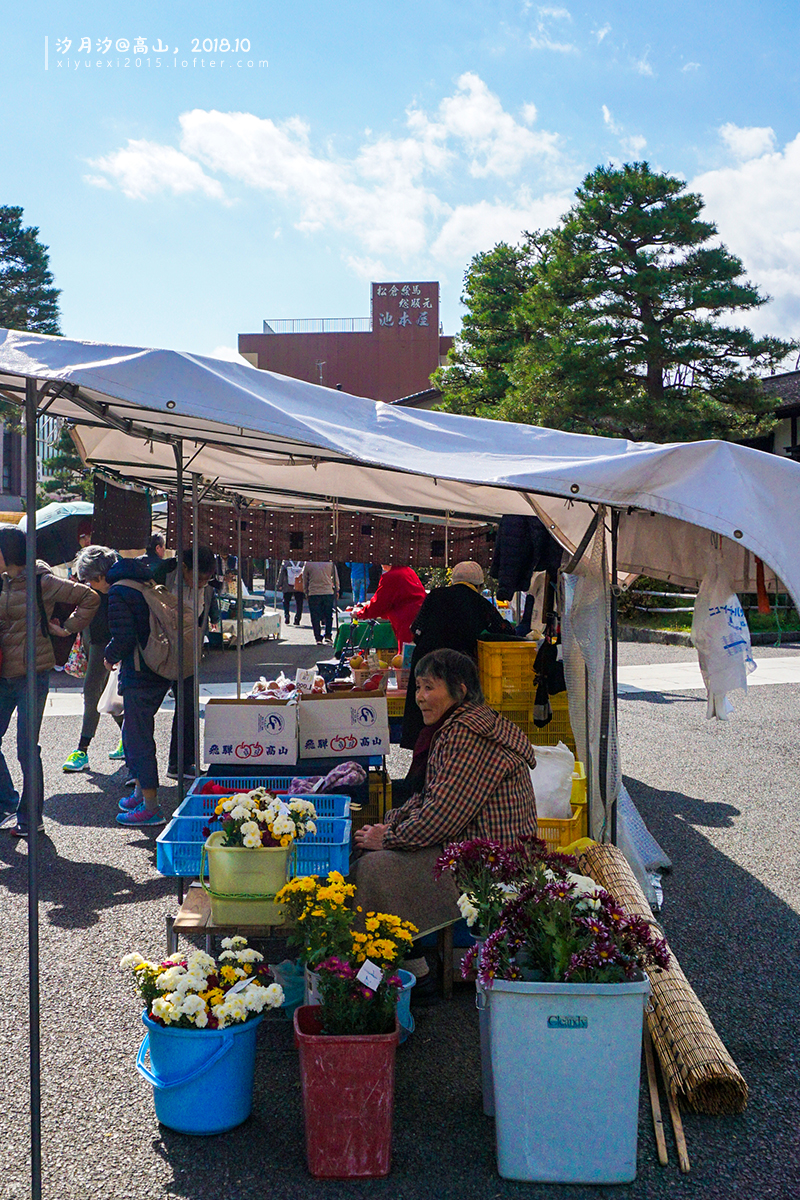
point(183, 204)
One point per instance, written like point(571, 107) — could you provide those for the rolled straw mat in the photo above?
point(697, 1068)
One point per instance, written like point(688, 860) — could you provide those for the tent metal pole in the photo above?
point(197, 642)
point(179, 696)
point(239, 615)
point(31, 750)
point(614, 649)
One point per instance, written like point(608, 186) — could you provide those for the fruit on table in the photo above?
point(357, 662)
point(397, 661)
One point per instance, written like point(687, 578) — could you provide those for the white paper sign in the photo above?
point(370, 975)
point(338, 727)
point(240, 986)
point(249, 732)
point(304, 679)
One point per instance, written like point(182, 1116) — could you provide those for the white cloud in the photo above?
point(632, 144)
point(367, 268)
point(544, 38)
point(390, 194)
point(473, 227)
point(748, 142)
point(642, 65)
point(756, 206)
point(602, 34)
point(690, 66)
point(145, 168)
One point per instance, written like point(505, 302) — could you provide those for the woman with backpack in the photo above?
point(14, 600)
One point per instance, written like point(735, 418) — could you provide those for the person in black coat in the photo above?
point(454, 617)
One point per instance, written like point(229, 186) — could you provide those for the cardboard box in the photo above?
point(336, 726)
point(251, 732)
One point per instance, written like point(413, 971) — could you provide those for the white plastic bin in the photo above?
point(566, 1061)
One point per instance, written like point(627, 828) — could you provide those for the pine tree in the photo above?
point(620, 328)
point(69, 477)
point(28, 299)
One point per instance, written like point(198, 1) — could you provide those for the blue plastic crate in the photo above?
point(327, 805)
point(179, 846)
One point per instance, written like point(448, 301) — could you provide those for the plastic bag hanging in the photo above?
point(721, 636)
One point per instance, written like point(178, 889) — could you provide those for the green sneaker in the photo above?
point(118, 753)
point(77, 761)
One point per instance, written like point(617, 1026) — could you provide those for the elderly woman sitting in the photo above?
point(473, 771)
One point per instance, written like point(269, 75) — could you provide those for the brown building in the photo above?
point(386, 356)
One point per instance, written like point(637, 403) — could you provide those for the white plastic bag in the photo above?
point(552, 781)
point(722, 639)
point(111, 701)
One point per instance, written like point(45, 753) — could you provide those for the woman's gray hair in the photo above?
point(455, 670)
point(94, 563)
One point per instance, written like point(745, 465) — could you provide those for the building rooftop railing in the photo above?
point(320, 325)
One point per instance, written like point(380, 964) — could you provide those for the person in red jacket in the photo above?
point(399, 597)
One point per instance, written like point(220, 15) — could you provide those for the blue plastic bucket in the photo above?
point(404, 1016)
point(202, 1078)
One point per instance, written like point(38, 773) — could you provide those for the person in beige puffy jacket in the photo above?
point(13, 680)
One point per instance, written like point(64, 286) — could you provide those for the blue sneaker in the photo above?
point(141, 816)
point(132, 802)
point(118, 753)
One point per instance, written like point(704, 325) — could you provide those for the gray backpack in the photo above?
point(161, 652)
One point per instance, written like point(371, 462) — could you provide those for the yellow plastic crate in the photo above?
point(373, 812)
point(506, 672)
point(559, 729)
point(395, 704)
point(562, 833)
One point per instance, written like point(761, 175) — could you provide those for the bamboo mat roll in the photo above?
point(697, 1068)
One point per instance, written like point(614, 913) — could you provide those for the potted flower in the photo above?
point(248, 858)
point(563, 972)
point(347, 1049)
point(318, 910)
point(200, 1017)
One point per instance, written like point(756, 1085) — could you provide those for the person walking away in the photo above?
point(50, 590)
point(290, 582)
point(92, 566)
point(398, 596)
point(321, 585)
point(206, 608)
point(359, 579)
point(142, 689)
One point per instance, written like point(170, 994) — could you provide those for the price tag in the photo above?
point(240, 986)
point(370, 975)
point(304, 680)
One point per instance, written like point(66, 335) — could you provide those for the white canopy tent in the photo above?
point(294, 444)
point(158, 415)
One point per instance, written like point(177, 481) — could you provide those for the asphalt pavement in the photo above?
point(721, 799)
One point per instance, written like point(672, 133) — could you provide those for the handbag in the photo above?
point(77, 663)
point(111, 701)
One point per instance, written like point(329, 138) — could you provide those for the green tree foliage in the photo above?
point(618, 328)
point(28, 299)
point(69, 477)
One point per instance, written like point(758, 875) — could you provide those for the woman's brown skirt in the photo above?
point(401, 882)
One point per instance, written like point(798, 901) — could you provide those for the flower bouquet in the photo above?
point(248, 858)
point(257, 818)
point(318, 910)
point(197, 992)
point(201, 1017)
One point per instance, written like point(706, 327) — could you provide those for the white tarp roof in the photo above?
point(295, 444)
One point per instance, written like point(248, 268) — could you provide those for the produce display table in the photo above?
point(382, 635)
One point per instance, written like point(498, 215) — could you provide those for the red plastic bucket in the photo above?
point(348, 1097)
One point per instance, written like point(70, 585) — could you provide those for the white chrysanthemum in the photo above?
point(164, 1010)
point(240, 812)
point(275, 995)
point(257, 998)
point(168, 980)
point(201, 1020)
point(200, 961)
point(467, 909)
point(249, 955)
point(311, 827)
point(131, 960)
point(252, 839)
point(191, 1005)
point(192, 981)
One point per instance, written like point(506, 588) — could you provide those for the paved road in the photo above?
point(722, 800)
